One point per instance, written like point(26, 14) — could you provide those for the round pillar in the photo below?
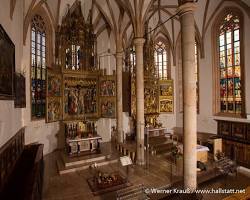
point(139, 42)
point(189, 95)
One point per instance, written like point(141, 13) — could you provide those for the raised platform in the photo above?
point(67, 164)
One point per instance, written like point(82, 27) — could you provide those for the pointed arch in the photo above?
point(40, 10)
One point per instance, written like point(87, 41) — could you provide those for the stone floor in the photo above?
point(160, 172)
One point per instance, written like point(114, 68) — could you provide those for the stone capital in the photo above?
point(139, 41)
point(185, 8)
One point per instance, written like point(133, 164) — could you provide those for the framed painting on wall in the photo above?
point(20, 91)
point(7, 66)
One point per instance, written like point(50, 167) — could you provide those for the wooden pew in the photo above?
point(21, 169)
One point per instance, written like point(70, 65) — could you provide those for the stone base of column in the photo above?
point(140, 163)
point(140, 159)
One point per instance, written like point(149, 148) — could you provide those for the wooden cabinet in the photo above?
point(235, 140)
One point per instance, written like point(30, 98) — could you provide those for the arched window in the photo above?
point(38, 67)
point(161, 60)
point(230, 68)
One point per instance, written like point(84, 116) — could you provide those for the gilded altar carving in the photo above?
point(75, 84)
point(107, 96)
point(151, 86)
point(54, 96)
point(54, 82)
point(166, 96)
point(54, 109)
point(76, 42)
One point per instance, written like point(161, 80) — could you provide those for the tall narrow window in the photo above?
point(38, 67)
point(161, 60)
point(132, 58)
point(132, 64)
point(197, 76)
point(230, 64)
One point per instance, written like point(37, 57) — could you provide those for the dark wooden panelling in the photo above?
point(9, 155)
point(236, 141)
point(248, 132)
point(224, 128)
point(247, 155)
point(126, 85)
point(239, 130)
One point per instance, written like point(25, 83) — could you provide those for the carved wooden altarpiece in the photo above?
point(75, 83)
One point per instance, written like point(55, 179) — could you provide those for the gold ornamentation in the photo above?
point(166, 96)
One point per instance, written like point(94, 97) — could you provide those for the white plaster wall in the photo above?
point(10, 117)
point(205, 122)
point(106, 46)
point(36, 130)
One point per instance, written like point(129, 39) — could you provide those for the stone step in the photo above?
point(62, 169)
point(74, 161)
point(162, 145)
point(157, 140)
point(162, 148)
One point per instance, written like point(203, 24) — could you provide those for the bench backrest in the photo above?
point(10, 153)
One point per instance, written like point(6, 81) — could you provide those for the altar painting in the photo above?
point(107, 107)
point(54, 109)
point(107, 88)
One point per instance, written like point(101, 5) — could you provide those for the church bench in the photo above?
point(21, 169)
point(202, 137)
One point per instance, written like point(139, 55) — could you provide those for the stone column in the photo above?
point(119, 120)
point(189, 94)
point(139, 100)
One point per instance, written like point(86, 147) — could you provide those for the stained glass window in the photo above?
point(38, 67)
point(229, 65)
point(161, 60)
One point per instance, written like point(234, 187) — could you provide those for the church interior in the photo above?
point(124, 99)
